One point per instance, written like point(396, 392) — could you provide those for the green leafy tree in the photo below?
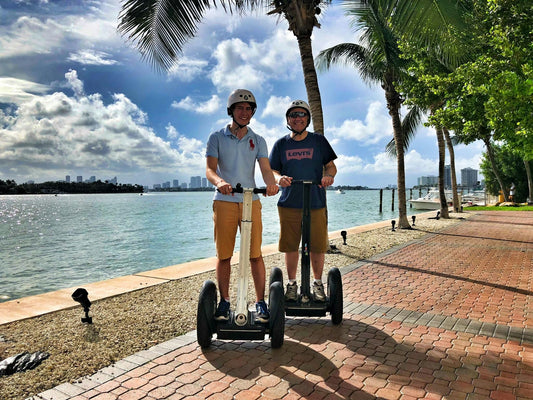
point(161, 28)
point(512, 169)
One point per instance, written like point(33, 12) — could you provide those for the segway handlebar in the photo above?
point(239, 189)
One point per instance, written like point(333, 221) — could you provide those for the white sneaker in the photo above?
point(318, 292)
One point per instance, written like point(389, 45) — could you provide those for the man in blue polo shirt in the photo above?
point(231, 155)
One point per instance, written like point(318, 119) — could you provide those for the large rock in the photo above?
point(22, 362)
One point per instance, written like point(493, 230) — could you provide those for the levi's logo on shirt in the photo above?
point(299, 154)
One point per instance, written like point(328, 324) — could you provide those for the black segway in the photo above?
point(306, 305)
point(242, 324)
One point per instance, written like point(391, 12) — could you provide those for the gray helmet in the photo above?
point(298, 104)
point(241, 96)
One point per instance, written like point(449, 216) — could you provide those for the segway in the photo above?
point(306, 305)
point(242, 324)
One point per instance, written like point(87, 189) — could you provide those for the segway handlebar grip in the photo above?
point(304, 181)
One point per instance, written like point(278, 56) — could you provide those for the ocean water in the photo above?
point(51, 242)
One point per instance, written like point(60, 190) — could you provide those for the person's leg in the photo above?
point(290, 235)
point(291, 262)
point(318, 247)
point(226, 221)
point(259, 276)
point(317, 264)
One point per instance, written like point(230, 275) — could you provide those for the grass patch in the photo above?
point(497, 208)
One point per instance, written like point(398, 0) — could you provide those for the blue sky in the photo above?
point(77, 99)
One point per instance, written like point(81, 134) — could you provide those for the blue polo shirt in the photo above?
point(236, 159)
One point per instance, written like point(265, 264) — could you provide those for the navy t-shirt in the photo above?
point(302, 160)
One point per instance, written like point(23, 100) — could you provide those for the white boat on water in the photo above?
point(431, 201)
point(339, 191)
point(477, 197)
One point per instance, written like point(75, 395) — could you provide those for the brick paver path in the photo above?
point(449, 316)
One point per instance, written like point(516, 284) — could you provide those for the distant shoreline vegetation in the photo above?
point(58, 187)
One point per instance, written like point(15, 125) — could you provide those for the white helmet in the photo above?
point(298, 104)
point(241, 96)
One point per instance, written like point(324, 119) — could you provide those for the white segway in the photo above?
point(242, 324)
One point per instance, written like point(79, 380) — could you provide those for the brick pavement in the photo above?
point(448, 316)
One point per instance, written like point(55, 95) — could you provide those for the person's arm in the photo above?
point(212, 176)
point(330, 170)
point(268, 176)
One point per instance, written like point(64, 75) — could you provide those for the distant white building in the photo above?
point(175, 183)
point(430, 180)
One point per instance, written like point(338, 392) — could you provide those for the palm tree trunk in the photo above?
point(495, 170)
point(529, 181)
point(442, 156)
point(449, 145)
point(393, 104)
point(311, 82)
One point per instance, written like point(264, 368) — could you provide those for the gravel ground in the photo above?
point(135, 321)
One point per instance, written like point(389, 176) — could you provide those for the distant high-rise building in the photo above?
point(184, 185)
point(157, 186)
point(92, 179)
point(196, 182)
point(166, 185)
point(468, 177)
point(430, 180)
point(113, 181)
point(175, 183)
point(67, 178)
point(79, 179)
point(447, 176)
point(204, 182)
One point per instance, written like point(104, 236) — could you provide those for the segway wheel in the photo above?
point(276, 301)
point(205, 316)
point(335, 295)
point(276, 276)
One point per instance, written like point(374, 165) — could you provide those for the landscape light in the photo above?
point(82, 296)
point(343, 234)
point(393, 222)
point(413, 217)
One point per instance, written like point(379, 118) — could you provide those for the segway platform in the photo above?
point(254, 330)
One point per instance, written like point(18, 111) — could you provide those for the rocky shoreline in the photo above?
point(135, 321)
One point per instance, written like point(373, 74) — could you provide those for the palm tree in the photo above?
point(161, 28)
point(378, 60)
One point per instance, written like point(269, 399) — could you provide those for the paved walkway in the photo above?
point(449, 316)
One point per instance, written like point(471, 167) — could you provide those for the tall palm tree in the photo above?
point(161, 28)
point(378, 60)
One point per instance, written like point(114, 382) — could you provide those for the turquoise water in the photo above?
point(51, 242)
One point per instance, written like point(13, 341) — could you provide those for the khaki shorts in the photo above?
point(227, 218)
point(291, 230)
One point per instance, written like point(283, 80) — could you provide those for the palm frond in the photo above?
point(410, 122)
point(160, 28)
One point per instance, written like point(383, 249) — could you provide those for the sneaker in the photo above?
point(291, 294)
point(222, 313)
point(262, 312)
point(318, 292)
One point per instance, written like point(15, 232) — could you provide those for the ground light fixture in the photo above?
point(82, 296)
point(393, 223)
point(343, 234)
point(413, 218)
